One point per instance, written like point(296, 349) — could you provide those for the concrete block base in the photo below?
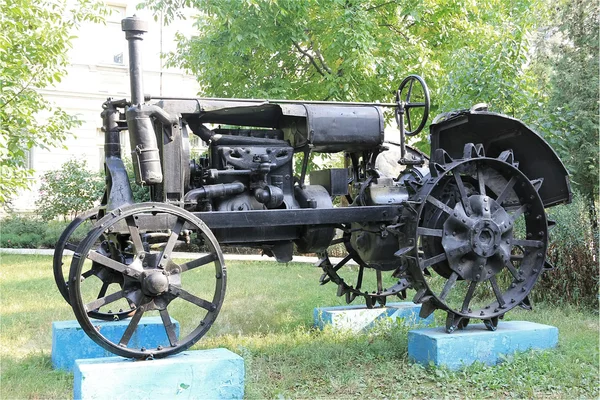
point(357, 318)
point(70, 342)
point(203, 374)
point(477, 344)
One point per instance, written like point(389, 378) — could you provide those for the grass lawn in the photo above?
point(267, 318)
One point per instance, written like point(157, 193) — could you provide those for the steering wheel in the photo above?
point(404, 104)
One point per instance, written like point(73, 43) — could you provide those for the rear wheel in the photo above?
point(481, 238)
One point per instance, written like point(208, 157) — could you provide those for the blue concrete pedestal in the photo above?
point(357, 318)
point(477, 344)
point(70, 342)
point(203, 374)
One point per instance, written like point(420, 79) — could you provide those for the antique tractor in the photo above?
point(466, 229)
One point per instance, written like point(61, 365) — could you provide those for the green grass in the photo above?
point(267, 318)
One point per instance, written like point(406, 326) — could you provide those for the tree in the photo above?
point(34, 39)
point(574, 98)
point(358, 50)
point(567, 65)
point(68, 191)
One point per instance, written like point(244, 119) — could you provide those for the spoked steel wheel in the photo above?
point(375, 288)
point(69, 240)
point(134, 245)
point(481, 238)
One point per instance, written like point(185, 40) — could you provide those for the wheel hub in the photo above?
point(155, 283)
point(485, 237)
point(477, 242)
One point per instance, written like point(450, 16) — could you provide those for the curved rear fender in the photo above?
point(497, 133)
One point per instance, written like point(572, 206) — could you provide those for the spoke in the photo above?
point(463, 192)
point(440, 205)
point(198, 262)
point(70, 246)
point(342, 263)
point(497, 291)
point(527, 243)
point(172, 240)
point(359, 280)
point(460, 250)
point(337, 241)
point(516, 257)
point(481, 180)
point(502, 196)
point(185, 295)
point(103, 290)
point(87, 274)
point(414, 105)
point(429, 232)
point(407, 112)
point(514, 216)
point(449, 284)
point(513, 271)
point(108, 262)
point(111, 298)
point(433, 260)
point(169, 327)
point(135, 320)
point(412, 81)
point(134, 233)
point(468, 296)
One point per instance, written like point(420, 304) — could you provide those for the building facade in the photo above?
point(98, 70)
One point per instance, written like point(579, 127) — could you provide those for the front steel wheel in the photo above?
point(134, 247)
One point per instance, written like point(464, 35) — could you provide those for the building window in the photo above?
point(100, 144)
point(118, 58)
point(29, 158)
point(123, 141)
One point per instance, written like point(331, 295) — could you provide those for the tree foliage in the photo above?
point(68, 191)
point(571, 115)
point(358, 50)
point(34, 39)
point(492, 51)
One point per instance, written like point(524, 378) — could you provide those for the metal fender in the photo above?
point(497, 133)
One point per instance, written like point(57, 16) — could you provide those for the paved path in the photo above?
point(236, 257)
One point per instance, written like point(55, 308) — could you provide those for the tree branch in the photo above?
point(26, 87)
point(393, 28)
point(320, 57)
point(310, 58)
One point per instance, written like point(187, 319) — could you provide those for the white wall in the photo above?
point(98, 70)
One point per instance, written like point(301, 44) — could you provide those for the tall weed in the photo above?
point(573, 250)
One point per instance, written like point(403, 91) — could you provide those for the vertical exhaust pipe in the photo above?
point(134, 29)
point(144, 147)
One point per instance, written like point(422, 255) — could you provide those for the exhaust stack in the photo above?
point(144, 146)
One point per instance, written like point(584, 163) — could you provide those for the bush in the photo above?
point(140, 193)
point(573, 250)
point(29, 233)
point(69, 190)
